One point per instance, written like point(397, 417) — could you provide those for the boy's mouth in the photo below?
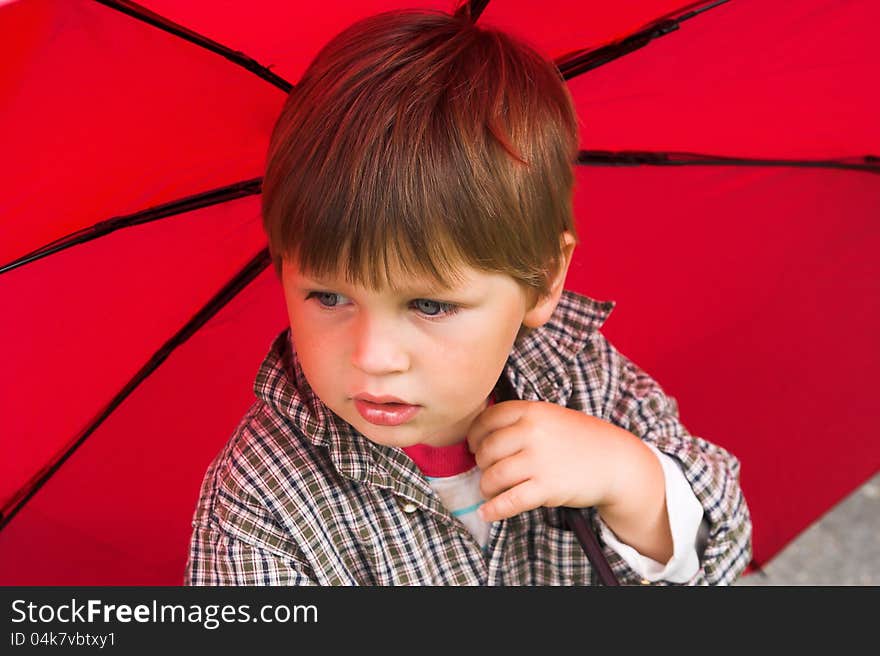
point(390, 413)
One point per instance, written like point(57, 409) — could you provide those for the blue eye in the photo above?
point(425, 306)
point(324, 296)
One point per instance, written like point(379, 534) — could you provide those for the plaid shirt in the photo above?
point(299, 496)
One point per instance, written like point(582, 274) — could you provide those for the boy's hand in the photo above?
point(535, 453)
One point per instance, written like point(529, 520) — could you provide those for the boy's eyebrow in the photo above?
point(410, 290)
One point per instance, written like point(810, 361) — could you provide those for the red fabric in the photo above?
point(748, 292)
point(439, 461)
point(448, 460)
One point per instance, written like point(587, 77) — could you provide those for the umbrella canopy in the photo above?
point(727, 199)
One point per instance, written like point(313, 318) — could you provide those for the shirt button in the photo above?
point(409, 508)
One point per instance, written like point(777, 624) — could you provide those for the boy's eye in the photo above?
point(434, 308)
point(327, 299)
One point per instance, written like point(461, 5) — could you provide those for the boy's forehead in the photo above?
point(401, 282)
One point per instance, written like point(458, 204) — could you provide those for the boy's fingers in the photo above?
point(498, 445)
point(491, 419)
point(504, 475)
point(520, 498)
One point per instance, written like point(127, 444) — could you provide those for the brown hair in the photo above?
point(417, 139)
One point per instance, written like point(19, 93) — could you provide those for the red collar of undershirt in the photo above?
point(441, 461)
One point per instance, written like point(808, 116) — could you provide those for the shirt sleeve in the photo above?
point(685, 514)
point(636, 402)
point(235, 540)
point(216, 558)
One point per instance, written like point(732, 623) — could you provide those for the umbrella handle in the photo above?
point(578, 523)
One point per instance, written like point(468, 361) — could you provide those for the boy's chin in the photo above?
point(392, 436)
point(395, 436)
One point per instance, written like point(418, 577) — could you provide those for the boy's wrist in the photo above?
point(629, 462)
point(634, 507)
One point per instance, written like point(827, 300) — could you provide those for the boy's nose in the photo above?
point(378, 348)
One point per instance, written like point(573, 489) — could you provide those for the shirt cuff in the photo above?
point(685, 514)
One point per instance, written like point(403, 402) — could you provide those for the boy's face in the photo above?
point(414, 346)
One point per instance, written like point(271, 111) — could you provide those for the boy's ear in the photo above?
point(544, 307)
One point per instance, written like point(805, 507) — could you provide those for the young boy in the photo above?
point(439, 396)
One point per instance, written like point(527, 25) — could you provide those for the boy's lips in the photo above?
point(385, 398)
point(390, 412)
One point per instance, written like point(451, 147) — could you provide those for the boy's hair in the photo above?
point(417, 141)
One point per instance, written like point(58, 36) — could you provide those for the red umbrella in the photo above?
point(727, 201)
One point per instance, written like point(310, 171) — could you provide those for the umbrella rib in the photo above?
point(103, 228)
point(866, 163)
point(239, 58)
point(472, 9)
point(580, 61)
point(248, 273)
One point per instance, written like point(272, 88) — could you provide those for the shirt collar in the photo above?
point(535, 370)
point(537, 365)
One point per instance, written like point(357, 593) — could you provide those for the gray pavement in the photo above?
point(841, 548)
